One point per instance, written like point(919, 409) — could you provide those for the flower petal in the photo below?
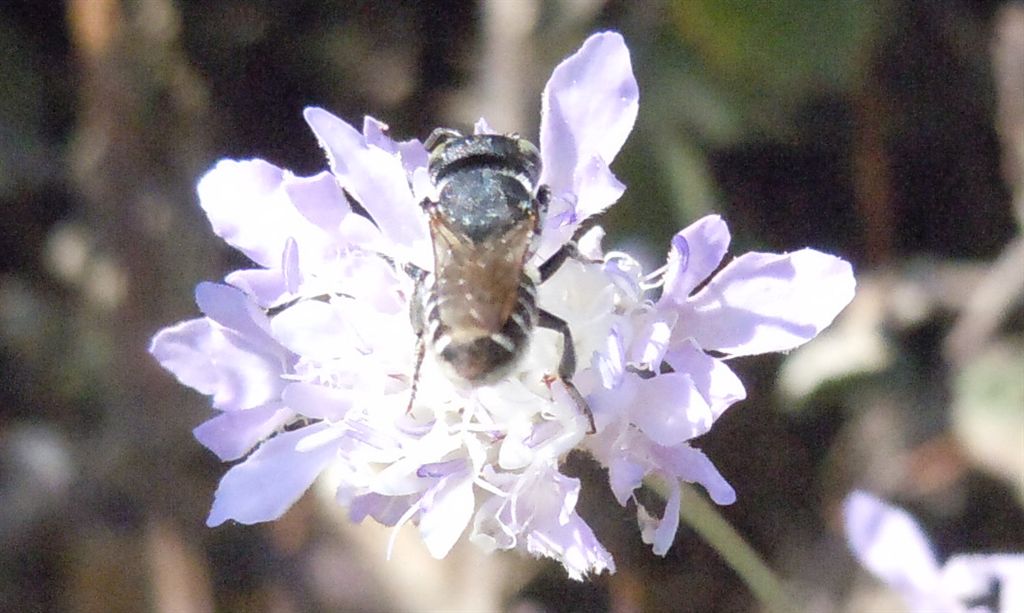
point(596, 189)
point(319, 199)
point(653, 333)
point(318, 401)
point(387, 510)
point(588, 109)
point(265, 286)
point(269, 481)
point(376, 178)
point(660, 534)
point(247, 208)
point(624, 476)
point(232, 434)
point(232, 309)
point(445, 519)
point(695, 253)
point(714, 379)
point(972, 577)
point(611, 362)
point(323, 203)
point(669, 409)
point(691, 465)
point(762, 302)
point(564, 535)
point(890, 544)
point(316, 330)
point(238, 372)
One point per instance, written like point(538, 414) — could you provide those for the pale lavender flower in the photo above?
point(891, 544)
point(309, 356)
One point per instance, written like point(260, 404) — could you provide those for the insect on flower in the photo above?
point(311, 362)
point(477, 311)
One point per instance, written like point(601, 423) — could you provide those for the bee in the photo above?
point(477, 311)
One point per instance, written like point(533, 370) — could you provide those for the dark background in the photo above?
point(890, 132)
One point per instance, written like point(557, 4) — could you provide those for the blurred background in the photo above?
point(889, 132)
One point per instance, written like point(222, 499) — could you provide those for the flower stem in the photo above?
point(697, 512)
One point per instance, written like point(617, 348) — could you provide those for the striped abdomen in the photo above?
point(468, 342)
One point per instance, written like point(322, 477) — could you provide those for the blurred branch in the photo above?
point(872, 177)
point(988, 304)
point(503, 79)
point(1008, 71)
point(992, 301)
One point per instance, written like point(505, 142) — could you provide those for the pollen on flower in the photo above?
point(327, 354)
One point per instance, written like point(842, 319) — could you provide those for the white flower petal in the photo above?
point(691, 465)
point(269, 481)
point(612, 405)
point(973, 577)
point(516, 451)
point(717, 382)
point(611, 363)
point(574, 545)
point(669, 409)
point(266, 286)
point(762, 302)
point(377, 178)
point(232, 309)
point(387, 510)
point(316, 330)
point(375, 134)
point(660, 534)
point(596, 188)
point(318, 401)
point(414, 158)
point(588, 109)
point(624, 476)
point(232, 434)
point(654, 331)
point(247, 208)
point(446, 519)
point(890, 544)
point(239, 372)
point(291, 269)
point(321, 201)
point(695, 253)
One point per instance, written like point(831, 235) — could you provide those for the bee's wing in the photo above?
point(478, 283)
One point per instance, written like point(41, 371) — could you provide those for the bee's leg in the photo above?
point(421, 351)
point(567, 365)
point(438, 136)
point(418, 321)
point(568, 250)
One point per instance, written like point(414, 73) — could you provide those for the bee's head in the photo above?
point(451, 152)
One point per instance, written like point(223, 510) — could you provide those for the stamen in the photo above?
point(654, 279)
point(489, 487)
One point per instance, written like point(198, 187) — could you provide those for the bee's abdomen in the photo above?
point(479, 358)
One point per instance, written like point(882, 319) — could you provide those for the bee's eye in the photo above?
point(439, 138)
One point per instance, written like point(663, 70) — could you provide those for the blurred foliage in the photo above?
point(771, 55)
point(865, 128)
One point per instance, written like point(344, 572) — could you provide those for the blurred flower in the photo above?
point(890, 544)
point(309, 357)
